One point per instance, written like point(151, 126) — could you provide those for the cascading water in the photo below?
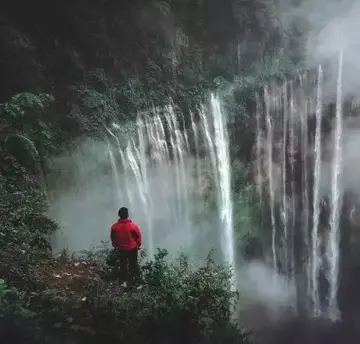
point(159, 161)
point(292, 114)
point(306, 249)
point(223, 167)
point(156, 172)
point(332, 252)
point(269, 144)
point(284, 171)
point(259, 176)
point(305, 219)
point(315, 244)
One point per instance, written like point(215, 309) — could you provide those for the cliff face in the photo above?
point(52, 45)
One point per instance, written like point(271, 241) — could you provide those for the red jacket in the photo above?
point(126, 235)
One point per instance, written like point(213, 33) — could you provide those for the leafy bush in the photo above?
point(3, 297)
point(24, 228)
point(18, 324)
point(177, 303)
point(13, 301)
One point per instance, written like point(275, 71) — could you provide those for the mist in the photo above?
point(265, 297)
point(351, 157)
point(327, 27)
point(85, 201)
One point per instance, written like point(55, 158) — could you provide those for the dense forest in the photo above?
point(67, 69)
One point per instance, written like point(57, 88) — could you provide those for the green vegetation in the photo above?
point(78, 300)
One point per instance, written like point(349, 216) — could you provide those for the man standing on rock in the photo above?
point(126, 238)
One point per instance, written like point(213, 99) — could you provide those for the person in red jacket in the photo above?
point(126, 238)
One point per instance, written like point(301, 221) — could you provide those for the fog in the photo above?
point(327, 26)
point(86, 198)
point(265, 297)
point(350, 159)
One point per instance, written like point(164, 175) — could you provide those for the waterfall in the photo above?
point(259, 176)
point(303, 248)
point(284, 171)
point(305, 254)
point(332, 252)
point(160, 169)
point(292, 114)
point(223, 163)
point(174, 173)
point(315, 244)
point(270, 176)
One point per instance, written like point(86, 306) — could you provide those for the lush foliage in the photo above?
point(125, 56)
point(25, 139)
point(177, 302)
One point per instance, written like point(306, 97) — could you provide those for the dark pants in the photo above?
point(129, 266)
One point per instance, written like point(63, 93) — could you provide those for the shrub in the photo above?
point(178, 303)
